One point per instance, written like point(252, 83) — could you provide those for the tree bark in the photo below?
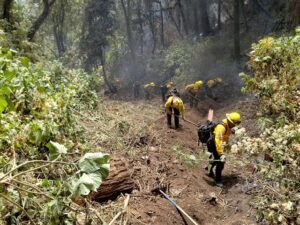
point(237, 49)
point(205, 26)
point(162, 36)
point(219, 13)
point(111, 87)
point(7, 5)
point(58, 28)
point(117, 182)
point(141, 29)
point(40, 20)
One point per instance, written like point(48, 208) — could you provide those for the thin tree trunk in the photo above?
point(162, 37)
point(40, 20)
point(141, 30)
point(219, 13)
point(58, 29)
point(111, 88)
point(237, 49)
point(184, 23)
point(7, 5)
point(196, 18)
point(205, 26)
point(244, 14)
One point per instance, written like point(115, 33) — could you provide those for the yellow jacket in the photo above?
point(222, 133)
point(214, 82)
point(175, 103)
point(149, 86)
point(193, 88)
point(170, 85)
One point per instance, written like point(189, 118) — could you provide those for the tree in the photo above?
point(205, 26)
point(98, 25)
point(41, 19)
point(237, 49)
point(7, 5)
point(58, 19)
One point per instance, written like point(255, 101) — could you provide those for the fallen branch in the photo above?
point(122, 212)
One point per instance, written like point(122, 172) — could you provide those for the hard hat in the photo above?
point(234, 118)
point(152, 84)
point(199, 83)
point(219, 80)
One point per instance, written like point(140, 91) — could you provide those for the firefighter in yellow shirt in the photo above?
point(210, 85)
point(149, 90)
point(192, 91)
point(174, 105)
point(165, 88)
point(217, 144)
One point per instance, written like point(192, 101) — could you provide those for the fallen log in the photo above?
point(117, 182)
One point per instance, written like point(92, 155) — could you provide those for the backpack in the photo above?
point(206, 131)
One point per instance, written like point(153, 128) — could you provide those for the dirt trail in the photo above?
point(191, 188)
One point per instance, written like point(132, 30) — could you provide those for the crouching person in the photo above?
point(217, 143)
point(174, 105)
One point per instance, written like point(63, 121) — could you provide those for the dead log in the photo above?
point(117, 182)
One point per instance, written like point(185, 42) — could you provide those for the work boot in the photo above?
point(209, 172)
point(219, 184)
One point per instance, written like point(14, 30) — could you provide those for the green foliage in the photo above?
point(278, 198)
point(184, 155)
point(37, 127)
point(275, 63)
point(93, 169)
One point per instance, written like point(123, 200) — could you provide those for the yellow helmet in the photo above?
point(234, 118)
point(199, 83)
point(152, 84)
point(219, 80)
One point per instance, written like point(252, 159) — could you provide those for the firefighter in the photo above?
point(192, 91)
point(217, 143)
point(174, 105)
point(136, 89)
point(210, 85)
point(149, 90)
point(165, 88)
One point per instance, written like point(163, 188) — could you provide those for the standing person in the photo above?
point(192, 91)
point(217, 143)
point(136, 89)
point(164, 89)
point(210, 85)
point(149, 90)
point(174, 105)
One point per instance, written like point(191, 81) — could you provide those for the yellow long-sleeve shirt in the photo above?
point(192, 88)
point(175, 103)
point(222, 133)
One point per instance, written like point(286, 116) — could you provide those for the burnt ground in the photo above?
point(156, 162)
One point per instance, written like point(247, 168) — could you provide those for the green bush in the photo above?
point(275, 63)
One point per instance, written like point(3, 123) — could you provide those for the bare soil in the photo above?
point(156, 163)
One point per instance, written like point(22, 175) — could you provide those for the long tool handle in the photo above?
point(178, 207)
point(190, 122)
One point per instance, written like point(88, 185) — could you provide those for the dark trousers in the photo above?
point(136, 91)
point(164, 91)
point(193, 100)
point(147, 95)
point(211, 146)
point(176, 117)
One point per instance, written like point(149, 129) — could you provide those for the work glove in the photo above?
point(223, 158)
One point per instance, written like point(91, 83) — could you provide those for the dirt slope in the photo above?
point(155, 162)
point(191, 188)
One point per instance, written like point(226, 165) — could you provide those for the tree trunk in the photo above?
point(162, 36)
point(244, 14)
point(40, 20)
point(219, 13)
point(7, 5)
point(58, 28)
point(117, 182)
point(140, 22)
point(237, 49)
point(205, 26)
point(196, 18)
point(111, 88)
point(181, 12)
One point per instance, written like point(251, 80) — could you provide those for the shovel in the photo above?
point(175, 204)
